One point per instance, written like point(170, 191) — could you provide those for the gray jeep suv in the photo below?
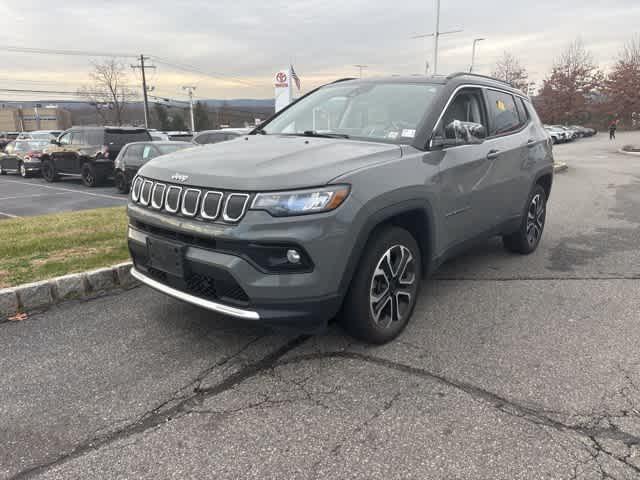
point(343, 202)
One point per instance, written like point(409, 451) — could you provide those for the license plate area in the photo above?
point(166, 256)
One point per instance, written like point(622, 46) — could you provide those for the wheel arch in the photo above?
point(545, 180)
point(415, 216)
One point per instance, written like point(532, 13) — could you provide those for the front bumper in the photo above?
point(231, 284)
point(32, 166)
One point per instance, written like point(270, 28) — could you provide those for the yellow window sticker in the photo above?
point(501, 105)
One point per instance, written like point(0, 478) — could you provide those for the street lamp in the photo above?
point(476, 41)
point(436, 37)
point(361, 68)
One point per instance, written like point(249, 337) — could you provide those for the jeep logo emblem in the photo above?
point(179, 178)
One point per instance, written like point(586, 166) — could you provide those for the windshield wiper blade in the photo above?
point(313, 133)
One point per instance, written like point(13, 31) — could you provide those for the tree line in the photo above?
point(577, 90)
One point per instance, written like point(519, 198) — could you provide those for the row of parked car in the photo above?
point(98, 154)
point(564, 133)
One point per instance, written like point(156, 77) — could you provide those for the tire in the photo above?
point(370, 313)
point(48, 171)
point(121, 182)
point(23, 170)
point(2, 170)
point(90, 177)
point(527, 238)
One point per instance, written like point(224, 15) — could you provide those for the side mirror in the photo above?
point(53, 141)
point(460, 133)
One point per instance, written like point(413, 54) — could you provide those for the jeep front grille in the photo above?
point(191, 202)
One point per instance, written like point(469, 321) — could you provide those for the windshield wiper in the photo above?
point(313, 133)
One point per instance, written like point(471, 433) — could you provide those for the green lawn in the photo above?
point(37, 248)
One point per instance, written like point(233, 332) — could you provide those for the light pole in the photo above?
point(360, 68)
point(436, 37)
point(190, 89)
point(473, 53)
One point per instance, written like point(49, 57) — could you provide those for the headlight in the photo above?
point(301, 202)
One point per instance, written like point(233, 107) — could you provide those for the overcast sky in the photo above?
point(249, 40)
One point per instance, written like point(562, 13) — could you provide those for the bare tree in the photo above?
point(631, 51)
point(108, 92)
point(510, 70)
point(622, 87)
point(570, 90)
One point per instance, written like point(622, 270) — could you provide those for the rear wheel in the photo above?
point(385, 287)
point(48, 170)
point(527, 238)
point(23, 170)
point(90, 176)
point(121, 182)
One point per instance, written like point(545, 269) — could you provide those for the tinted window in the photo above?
point(522, 111)
point(65, 139)
point(119, 138)
point(210, 138)
point(466, 107)
point(134, 152)
point(95, 137)
point(78, 138)
point(503, 111)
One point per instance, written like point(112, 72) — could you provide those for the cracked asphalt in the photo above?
point(512, 368)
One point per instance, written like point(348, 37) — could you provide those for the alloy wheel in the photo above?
point(392, 287)
point(535, 219)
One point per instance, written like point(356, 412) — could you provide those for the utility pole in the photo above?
point(436, 37)
point(473, 53)
point(190, 89)
point(143, 68)
point(360, 68)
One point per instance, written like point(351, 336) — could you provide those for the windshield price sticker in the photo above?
point(408, 133)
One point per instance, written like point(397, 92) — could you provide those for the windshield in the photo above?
point(164, 149)
point(29, 146)
point(388, 112)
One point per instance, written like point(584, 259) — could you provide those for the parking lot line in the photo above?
point(123, 198)
point(32, 196)
point(8, 215)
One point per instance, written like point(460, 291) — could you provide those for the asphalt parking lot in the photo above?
point(512, 368)
point(23, 197)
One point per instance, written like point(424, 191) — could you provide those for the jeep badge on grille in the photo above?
point(179, 178)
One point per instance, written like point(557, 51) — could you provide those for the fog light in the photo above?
point(293, 256)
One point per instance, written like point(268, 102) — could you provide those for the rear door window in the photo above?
point(119, 138)
point(503, 113)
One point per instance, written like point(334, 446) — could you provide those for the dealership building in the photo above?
point(48, 117)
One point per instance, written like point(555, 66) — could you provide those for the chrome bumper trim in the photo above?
point(185, 297)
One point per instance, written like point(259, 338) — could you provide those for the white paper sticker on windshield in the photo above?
point(392, 135)
point(408, 133)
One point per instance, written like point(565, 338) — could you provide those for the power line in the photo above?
point(48, 51)
point(192, 69)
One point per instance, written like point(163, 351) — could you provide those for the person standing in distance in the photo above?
point(612, 129)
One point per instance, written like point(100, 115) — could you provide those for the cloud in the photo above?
point(250, 40)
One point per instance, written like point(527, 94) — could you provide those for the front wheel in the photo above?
point(89, 175)
point(48, 171)
point(121, 182)
point(527, 238)
point(385, 287)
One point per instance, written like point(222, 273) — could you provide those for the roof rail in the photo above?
point(346, 79)
point(487, 77)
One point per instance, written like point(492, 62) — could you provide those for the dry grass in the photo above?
point(37, 248)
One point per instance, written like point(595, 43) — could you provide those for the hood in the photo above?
point(268, 162)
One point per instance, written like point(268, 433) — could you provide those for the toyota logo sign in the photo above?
point(281, 79)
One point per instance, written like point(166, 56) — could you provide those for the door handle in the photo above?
point(531, 143)
point(493, 154)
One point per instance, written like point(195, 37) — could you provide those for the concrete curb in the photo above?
point(634, 154)
point(560, 167)
point(42, 295)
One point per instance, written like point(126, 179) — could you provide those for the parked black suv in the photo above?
point(88, 152)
